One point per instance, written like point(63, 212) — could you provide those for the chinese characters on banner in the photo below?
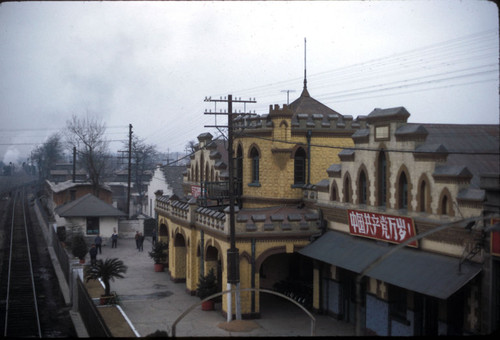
point(195, 191)
point(395, 229)
point(495, 239)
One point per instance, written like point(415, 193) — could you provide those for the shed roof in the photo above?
point(406, 268)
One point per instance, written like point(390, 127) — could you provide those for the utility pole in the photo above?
point(233, 261)
point(74, 164)
point(129, 167)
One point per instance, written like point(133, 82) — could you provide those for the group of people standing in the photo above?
point(97, 246)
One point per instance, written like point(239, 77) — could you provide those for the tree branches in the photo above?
point(87, 136)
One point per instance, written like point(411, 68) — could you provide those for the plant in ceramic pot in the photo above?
point(79, 247)
point(159, 255)
point(207, 286)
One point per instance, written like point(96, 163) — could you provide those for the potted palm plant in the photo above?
point(159, 255)
point(207, 286)
point(107, 271)
point(79, 247)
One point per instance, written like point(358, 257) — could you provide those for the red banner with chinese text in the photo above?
point(195, 191)
point(495, 239)
point(394, 229)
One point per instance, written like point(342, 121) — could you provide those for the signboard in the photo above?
point(495, 239)
point(196, 191)
point(394, 229)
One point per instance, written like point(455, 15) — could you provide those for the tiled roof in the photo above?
point(476, 147)
point(88, 206)
point(471, 195)
point(382, 114)
point(61, 186)
point(307, 105)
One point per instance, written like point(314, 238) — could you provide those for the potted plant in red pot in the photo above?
point(159, 255)
point(207, 286)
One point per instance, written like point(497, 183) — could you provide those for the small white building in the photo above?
point(158, 183)
point(89, 215)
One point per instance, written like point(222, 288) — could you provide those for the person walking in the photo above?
point(141, 241)
point(93, 254)
point(137, 240)
point(98, 243)
point(114, 239)
point(153, 237)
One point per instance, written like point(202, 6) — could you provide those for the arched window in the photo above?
point(299, 167)
point(422, 198)
point(403, 191)
point(239, 170)
point(347, 189)
point(283, 131)
point(362, 188)
point(382, 179)
point(254, 155)
point(444, 205)
point(333, 193)
point(202, 163)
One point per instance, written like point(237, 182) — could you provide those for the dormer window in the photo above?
point(382, 132)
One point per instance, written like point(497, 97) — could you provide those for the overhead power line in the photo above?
point(450, 56)
point(450, 152)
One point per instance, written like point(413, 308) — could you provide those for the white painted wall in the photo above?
point(158, 182)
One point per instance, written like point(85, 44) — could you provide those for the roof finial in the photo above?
point(304, 91)
point(305, 65)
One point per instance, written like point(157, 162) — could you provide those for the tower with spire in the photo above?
point(283, 141)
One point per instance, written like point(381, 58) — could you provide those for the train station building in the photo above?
point(373, 220)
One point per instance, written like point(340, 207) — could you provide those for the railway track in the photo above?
point(20, 313)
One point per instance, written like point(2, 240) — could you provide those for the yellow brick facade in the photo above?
point(271, 226)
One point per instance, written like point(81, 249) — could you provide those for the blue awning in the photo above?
point(423, 272)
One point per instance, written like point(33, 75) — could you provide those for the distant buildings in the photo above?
point(69, 193)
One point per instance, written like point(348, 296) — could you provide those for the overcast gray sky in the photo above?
point(151, 64)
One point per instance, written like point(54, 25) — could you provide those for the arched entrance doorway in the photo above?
point(178, 272)
point(290, 274)
point(213, 261)
point(163, 233)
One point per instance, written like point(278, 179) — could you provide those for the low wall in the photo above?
point(128, 228)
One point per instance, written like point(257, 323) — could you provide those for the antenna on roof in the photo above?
point(287, 95)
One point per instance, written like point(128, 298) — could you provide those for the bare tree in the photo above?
point(144, 157)
point(87, 136)
point(191, 146)
point(48, 154)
